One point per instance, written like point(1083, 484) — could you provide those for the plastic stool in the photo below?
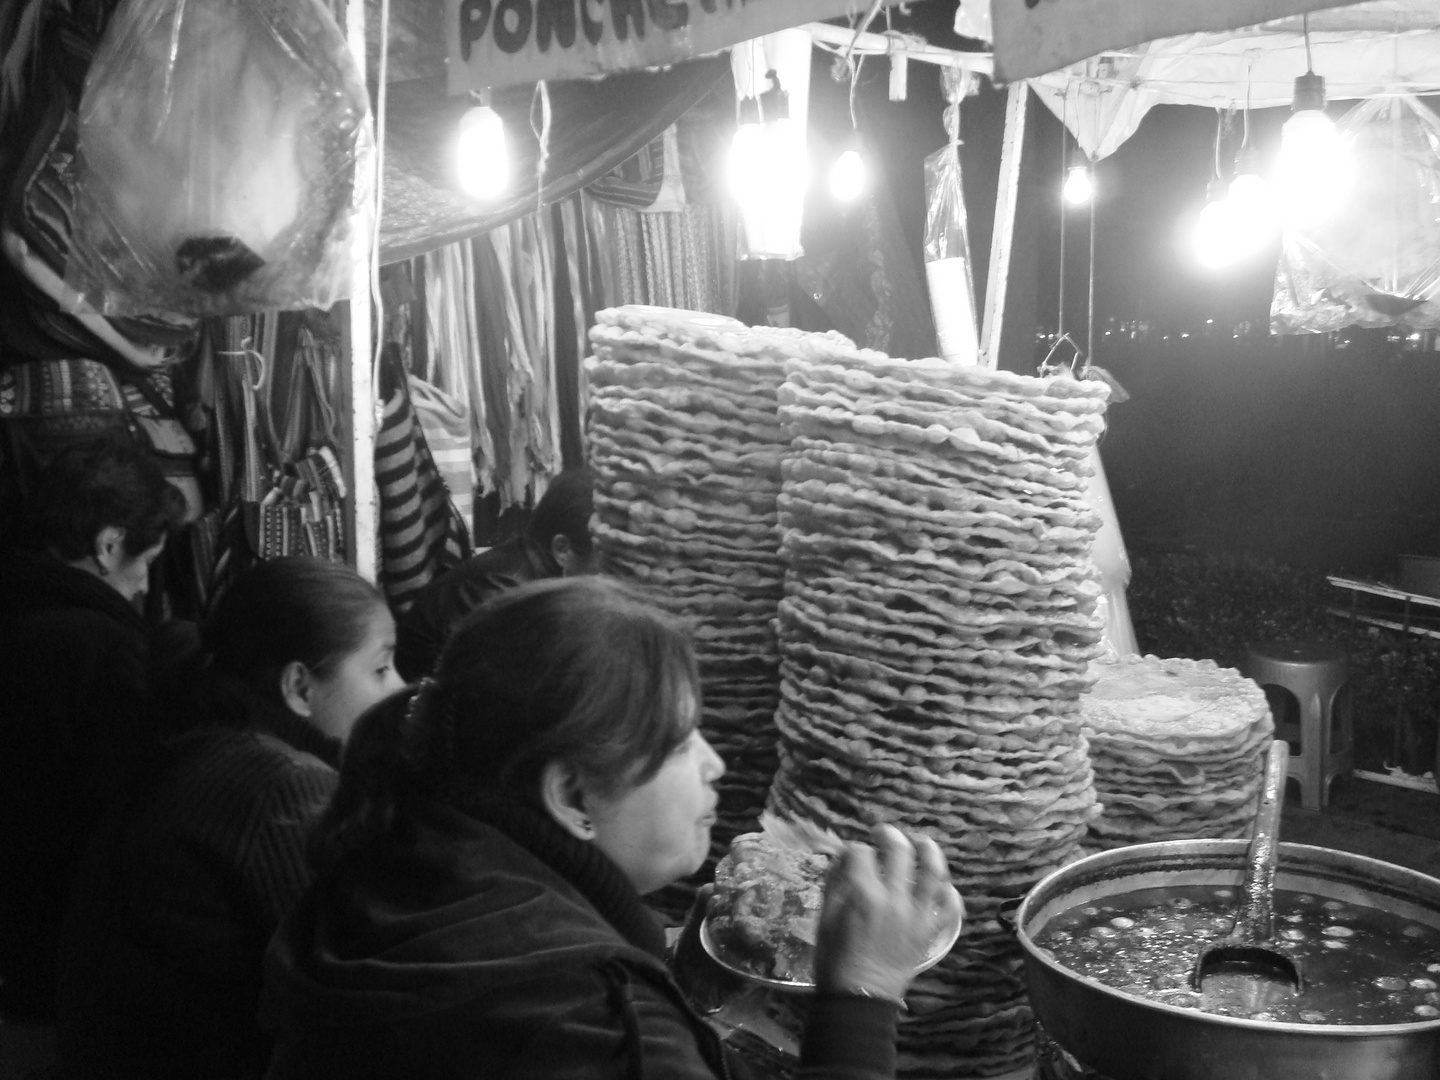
point(1313, 673)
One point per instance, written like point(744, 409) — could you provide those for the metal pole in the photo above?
point(1090, 317)
point(1064, 213)
point(1003, 238)
point(364, 504)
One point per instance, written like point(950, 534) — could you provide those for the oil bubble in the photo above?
point(1334, 944)
point(1103, 932)
point(1426, 1010)
point(1304, 898)
point(1293, 935)
point(1423, 984)
point(1310, 1016)
point(1390, 982)
point(1092, 910)
point(1122, 923)
point(1182, 903)
point(1414, 930)
point(1338, 931)
point(1224, 894)
point(1333, 905)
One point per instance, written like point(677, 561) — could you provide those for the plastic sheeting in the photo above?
point(1363, 50)
point(225, 160)
point(1376, 260)
point(947, 258)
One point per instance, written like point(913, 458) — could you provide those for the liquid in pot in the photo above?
point(1361, 965)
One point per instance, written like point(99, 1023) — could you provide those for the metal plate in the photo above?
point(944, 942)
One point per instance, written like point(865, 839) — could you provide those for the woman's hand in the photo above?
point(884, 907)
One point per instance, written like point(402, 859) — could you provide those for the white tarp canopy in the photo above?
point(1364, 50)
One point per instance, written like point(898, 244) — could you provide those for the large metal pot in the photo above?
point(1130, 1039)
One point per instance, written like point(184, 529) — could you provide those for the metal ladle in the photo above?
point(1246, 952)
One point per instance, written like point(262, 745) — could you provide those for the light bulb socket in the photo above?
point(1079, 160)
point(748, 111)
point(1217, 190)
point(1309, 93)
point(775, 101)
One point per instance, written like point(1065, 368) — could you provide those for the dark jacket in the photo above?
point(423, 629)
point(74, 656)
point(504, 948)
point(177, 897)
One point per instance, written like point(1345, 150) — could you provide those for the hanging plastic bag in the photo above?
point(1374, 258)
point(947, 239)
point(225, 160)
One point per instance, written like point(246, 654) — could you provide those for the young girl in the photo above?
point(477, 909)
point(189, 877)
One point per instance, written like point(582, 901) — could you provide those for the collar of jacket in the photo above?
point(592, 873)
point(280, 722)
point(36, 581)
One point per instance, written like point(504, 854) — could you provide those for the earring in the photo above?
point(586, 827)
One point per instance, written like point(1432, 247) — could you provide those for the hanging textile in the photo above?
point(681, 259)
point(524, 380)
point(581, 287)
point(421, 533)
point(445, 421)
point(453, 341)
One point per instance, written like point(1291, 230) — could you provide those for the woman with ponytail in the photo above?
point(189, 876)
point(477, 904)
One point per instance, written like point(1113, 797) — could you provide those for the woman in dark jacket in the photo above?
point(190, 874)
point(74, 664)
point(477, 908)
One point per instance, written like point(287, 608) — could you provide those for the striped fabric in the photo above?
point(421, 535)
point(445, 423)
point(637, 180)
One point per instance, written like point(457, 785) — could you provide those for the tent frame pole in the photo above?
point(362, 518)
point(1002, 240)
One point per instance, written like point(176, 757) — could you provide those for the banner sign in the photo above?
point(1033, 37)
point(499, 43)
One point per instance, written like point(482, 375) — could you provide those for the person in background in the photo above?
point(477, 905)
point(188, 876)
point(556, 542)
point(75, 657)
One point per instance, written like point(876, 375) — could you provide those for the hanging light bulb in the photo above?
point(1079, 186)
point(1217, 231)
point(1314, 168)
point(847, 173)
point(768, 171)
point(482, 158)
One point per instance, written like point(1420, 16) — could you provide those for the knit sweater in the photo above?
point(439, 607)
point(73, 662)
point(177, 897)
point(492, 944)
